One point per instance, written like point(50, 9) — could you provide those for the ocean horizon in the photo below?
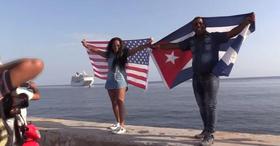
point(160, 81)
point(244, 105)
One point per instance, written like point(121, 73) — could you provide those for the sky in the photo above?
point(52, 30)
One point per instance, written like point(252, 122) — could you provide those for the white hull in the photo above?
point(82, 83)
point(82, 80)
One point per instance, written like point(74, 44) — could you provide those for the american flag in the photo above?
point(137, 67)
point(175, 66)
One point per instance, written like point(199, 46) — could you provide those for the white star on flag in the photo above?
point(171, 57)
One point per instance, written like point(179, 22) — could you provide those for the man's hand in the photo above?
point(155, 46)
point(32, 86)
point(148, 44)
point(250, 19)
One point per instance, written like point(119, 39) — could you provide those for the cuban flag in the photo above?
point(175, 66)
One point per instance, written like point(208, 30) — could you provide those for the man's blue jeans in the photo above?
point(205, 90)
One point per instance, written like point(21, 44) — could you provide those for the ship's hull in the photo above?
point(85, 81)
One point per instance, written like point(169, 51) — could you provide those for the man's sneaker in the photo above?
point(119, 130)
point(114, 126)
point(208, 140)
point(200, 135)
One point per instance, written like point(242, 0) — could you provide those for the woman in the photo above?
point(116, 83)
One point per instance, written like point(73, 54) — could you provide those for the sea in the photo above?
point(250, 105)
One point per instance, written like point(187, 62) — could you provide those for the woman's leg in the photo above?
point(114, 101)
point(121, 101)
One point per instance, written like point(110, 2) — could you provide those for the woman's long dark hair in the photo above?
point(120, 56)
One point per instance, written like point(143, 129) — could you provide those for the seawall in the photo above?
point(59, 132)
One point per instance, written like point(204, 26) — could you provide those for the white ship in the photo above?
point(82, 79)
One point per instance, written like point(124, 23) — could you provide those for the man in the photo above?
point(29, 91)
point(205, 52)
point(12, 75)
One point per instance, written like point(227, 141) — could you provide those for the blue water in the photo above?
point(244, 105)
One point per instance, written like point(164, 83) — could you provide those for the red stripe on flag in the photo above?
point(101, 72)
point(137, 84)
point(98, 59)
point(100, 66)
point(136, 76)
point(137, 69)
